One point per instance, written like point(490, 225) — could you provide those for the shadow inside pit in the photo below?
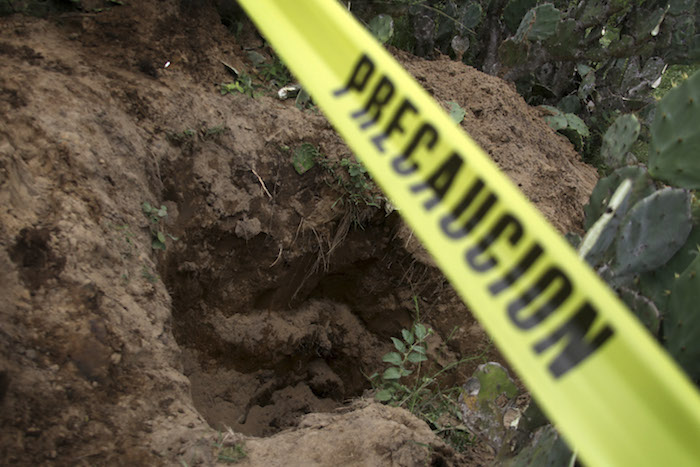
point(263, 346)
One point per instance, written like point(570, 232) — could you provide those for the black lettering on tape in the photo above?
point(487, 263)
point(401, 163)
point(441, 180)
point(380, 97)
point(577, 348)
point(446, 221)
point(552, 277)
point(518, 271)
point(394, 124)
point(463, 230)
point(360, 76)
point(574, 332)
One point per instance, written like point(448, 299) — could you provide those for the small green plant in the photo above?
point(405, 383)
point(183, 137)
point(456, 112)
point(359, 186)
point(243, 84)
point(128, 238)
point(229, 453)
point(275, 73)
point(155, 215)
point(213, 131)
point(410, 353)
point(304, 157)
point(357, 172)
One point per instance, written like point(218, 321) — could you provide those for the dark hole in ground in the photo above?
point(263, 345)
point(263, 348)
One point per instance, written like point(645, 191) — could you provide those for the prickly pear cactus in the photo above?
point(472, 15)
point(514, 11)
point(539, 23)
point(619, 139)
point(513, 53)
point(642, 187)
point(657, 284)
point(674, 152)
point(595, 247)
point(682, 320)
point(653, 231)
point(643, 308)
point(382, 27)
point(565, 40)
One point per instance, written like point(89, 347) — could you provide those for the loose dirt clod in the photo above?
point(278, 295)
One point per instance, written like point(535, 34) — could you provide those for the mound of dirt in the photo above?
point(276, 293)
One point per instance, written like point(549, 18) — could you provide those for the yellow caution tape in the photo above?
point(614, 394)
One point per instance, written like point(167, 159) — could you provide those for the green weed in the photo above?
point(243, 84)
point(406, 383)
point(304, 157)
point(190, 135)
point(226, 453)
point(182, 137)
point(275, 73)
point(354, 181)
point(158, 237)
point(213, 131)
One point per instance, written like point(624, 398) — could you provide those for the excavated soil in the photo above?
point(278, 296)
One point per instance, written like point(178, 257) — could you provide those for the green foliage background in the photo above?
point(593, 58)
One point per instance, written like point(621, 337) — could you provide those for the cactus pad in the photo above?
point(514, 11)
point(641, 187)
point(513, 53)
point(539, 23)
point(564, 42)
point(644, 309)
point(472, 15)
point(619, 139)
point(653, 231)
point(682, 320)
point(674, 152)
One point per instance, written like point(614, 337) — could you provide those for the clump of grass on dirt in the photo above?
point(187, 137)
point(357, 189)
point(355, 182)
point(227, 452)
point(243, 84)
point(275, 73)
